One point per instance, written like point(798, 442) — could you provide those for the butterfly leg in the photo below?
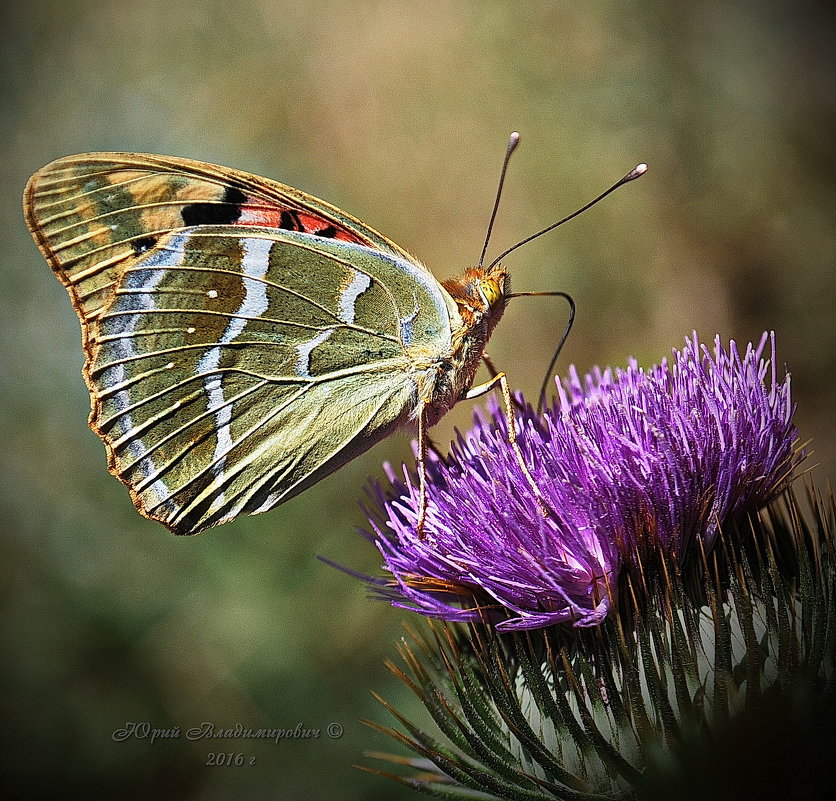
point(422, 471)
point(488, 362)
point(491, 368)
point(501, 380)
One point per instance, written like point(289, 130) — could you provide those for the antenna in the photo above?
point(636, 172)
point(513, 141)
point(541, 400)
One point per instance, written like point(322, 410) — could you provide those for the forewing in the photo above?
point(98, 214)
point(228, 372)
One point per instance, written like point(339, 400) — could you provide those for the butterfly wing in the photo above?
point(233, 365)
point(94, 215)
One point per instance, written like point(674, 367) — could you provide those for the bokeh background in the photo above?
point(398, 112)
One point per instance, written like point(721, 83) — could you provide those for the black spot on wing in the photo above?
point(329, 231)
point(145, 243)
point(289, 221)
point(221, 212)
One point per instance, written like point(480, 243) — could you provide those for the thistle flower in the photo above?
point(700, 659)
point(627, 462)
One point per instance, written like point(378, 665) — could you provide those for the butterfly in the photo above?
point(244, 339)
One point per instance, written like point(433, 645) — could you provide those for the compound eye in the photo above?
point(490, 291)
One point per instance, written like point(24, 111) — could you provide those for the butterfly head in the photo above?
point(492, 293)
point(481, 294)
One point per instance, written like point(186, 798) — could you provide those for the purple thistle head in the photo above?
point(626, 460)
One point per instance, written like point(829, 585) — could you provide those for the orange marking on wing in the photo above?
point(273, 216)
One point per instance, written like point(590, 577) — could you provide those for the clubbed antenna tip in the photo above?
point(636, 172)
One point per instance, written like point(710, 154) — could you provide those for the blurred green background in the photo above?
point(398, 112)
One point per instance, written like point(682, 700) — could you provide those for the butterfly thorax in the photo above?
point(480, 296)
